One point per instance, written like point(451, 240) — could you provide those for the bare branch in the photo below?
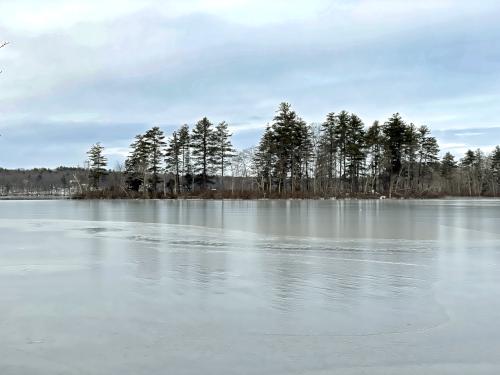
point(3, 44)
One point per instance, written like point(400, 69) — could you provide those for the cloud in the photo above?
point(469, 134)
point(458, 141)
point(52, 144)
point(86, 66)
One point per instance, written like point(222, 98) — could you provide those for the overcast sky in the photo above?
point(78, 72)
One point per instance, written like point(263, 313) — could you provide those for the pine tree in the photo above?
point(97, 164)
point(394, 131)
point(173, 159)
point(300, 153)
point(223, 147)
point(495, 170)
point(265, 160)
point(282, 123)
point(374, 140)
point(448, 166)
point(137, 164)
point(306, 154)
point(469, 159)
point(185, 146)
point(341, 134)
point(154, 139)
point(203, 146)
point(481, 171)
point(328, 145)
point(469, 163)
point(410, 148)
point(287, 129)
point(355, 150)
point(427, 153)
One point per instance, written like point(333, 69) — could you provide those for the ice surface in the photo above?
point(250, 287)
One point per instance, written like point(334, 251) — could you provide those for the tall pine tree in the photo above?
point(204, 151)
point(173, 159)
point(355, 150)
point(97, 164)
point(395, 137)
point(185, 146)
point(223, 147)
point(137, 164)
point(155, 141)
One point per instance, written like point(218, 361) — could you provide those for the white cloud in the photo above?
point(452, 146)
point(36, 16)
point(469, 134)
point(52, 15)
point(121, 152)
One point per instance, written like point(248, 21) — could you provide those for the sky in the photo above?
point(80, 72)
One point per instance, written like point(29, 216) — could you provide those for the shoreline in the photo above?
point(33, 198)
point(56, 198)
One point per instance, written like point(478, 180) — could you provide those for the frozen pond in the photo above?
point(249, 287)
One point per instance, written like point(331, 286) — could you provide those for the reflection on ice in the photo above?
point(179, 286)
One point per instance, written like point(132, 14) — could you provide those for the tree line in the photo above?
point(340, 157)
point(61, 181)
point(337, 158)
point(187, 160)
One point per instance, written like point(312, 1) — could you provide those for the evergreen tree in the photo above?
point(448, 166)
point(428, 149)
point(328, 148)
point(185, 148)
point(395, 135)
point(306, 154)
point(288, 132)
point(469, 159)
point(223, 147)
point(283, 123)
point(301, 153)
point(265, 160)
point(355, 150)
point(374, 140)
point(495, 170)
point(480, 172)
point(469, 164)
point(137, 164)
point(173, 159)
point(154, 139)
point(204, 150)
point(409, 156)
point(341, 136)
point(285, 152)
point(97, 164)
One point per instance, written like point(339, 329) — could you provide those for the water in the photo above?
point(250, 287)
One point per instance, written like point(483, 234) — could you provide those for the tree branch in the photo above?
point(3, 44)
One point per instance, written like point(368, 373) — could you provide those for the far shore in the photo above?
point(33, 198)
point(194, 198)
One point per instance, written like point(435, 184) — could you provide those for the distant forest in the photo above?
point(339, 158)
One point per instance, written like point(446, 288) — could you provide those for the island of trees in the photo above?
point(339, 158)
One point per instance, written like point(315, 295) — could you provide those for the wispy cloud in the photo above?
point(469, 134)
